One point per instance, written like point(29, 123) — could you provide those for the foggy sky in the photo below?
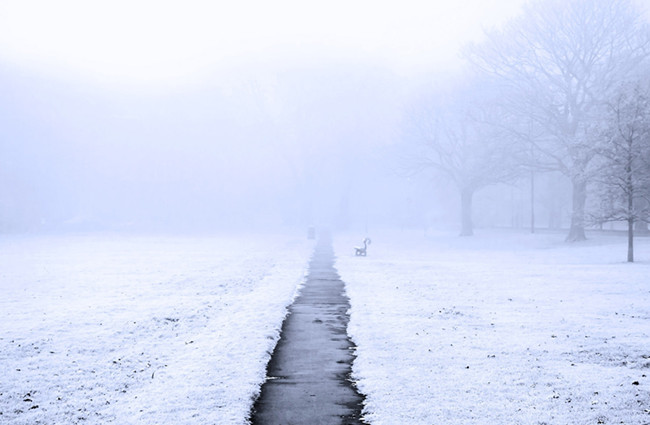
point(215, 117)
point(148, 42)
point(160, 117)
point(303, 146)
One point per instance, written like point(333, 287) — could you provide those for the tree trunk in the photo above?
point(630, 209)
point(466, 212)
point(630, 240)
point(630, 213)
point(577, 230)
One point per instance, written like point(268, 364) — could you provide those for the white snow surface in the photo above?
point(98, 329)
point(499, 328)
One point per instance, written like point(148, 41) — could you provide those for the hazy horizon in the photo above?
point(153, 115)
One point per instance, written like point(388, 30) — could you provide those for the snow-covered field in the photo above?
point(500, 329)
point(140, 330)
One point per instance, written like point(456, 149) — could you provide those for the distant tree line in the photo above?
point(563, 87)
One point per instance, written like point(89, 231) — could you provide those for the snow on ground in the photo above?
point(499, 329)
point(140, 330)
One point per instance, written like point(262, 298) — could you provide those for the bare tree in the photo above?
point(561, 59)
point(458, 138)
point(624, 177)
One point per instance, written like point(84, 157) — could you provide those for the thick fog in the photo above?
point(292, 147)
point(156, 117)
point(301, 132)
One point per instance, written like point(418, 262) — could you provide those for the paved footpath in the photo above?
point(308, 375)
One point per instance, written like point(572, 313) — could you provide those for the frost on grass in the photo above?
point(138, 330)
point(501, 330)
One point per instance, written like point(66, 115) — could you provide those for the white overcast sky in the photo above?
point(150, 109)
point(154, 41)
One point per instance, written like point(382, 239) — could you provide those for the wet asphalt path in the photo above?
point(308, 375)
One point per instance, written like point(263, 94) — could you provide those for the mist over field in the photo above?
point(212, 117)
point(176, 176)
point(203, 128)
point(300, 147)
point(341, 119)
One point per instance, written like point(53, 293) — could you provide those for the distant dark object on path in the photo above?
point(361, 252)
point(311, 233)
